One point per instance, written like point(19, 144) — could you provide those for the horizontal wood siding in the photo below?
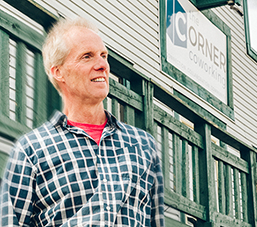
point(244, 79)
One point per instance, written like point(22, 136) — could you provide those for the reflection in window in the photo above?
point(250, 8)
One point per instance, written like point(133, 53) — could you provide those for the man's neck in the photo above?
point(88, 114)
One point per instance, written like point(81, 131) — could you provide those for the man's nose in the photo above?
point(101, 63)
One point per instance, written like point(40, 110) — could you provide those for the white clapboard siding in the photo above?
point(152, 6)
point(131, 22)
point(122, 34)
point(239, 84)
point(244, 79)
point(247, 108)
point(140, 11)
point(237, 40)
point(133, 29)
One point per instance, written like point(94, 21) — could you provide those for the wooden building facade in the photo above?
point(207, 143)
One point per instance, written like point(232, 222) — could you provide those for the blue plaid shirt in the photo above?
point(58, 176)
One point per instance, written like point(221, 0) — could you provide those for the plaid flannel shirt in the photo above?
point(58, 176)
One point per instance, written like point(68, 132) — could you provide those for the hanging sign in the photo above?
point(196, 47)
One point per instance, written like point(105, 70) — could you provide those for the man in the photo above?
point(83, 167)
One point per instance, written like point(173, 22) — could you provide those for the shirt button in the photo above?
point(108, 208)
point(104, 180)
point(99, 156)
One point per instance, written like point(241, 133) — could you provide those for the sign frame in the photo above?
point(226, 108)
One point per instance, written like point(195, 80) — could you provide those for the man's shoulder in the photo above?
point(36, 133)
point(46, 128)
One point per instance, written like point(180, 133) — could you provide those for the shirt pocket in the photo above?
point(132, 165)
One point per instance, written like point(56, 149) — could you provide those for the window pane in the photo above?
point(252, 18)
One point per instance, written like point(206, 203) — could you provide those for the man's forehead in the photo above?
point(81, 35)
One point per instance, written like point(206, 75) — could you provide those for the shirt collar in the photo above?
point(112, 121)
point(60, 119)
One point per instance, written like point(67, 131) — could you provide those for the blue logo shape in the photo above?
point(176, 23)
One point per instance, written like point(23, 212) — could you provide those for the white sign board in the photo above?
point(197, 47)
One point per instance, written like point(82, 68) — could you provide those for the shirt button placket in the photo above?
point(108, 208)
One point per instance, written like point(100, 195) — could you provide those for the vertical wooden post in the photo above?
point(115, 107)
point(129, 115)
point(148, 106)
point(206, 163)
point(244, 197)
point(21, 83)
point(177, 163)
point(196, 184)
point(228, 192)
point(252, 205)
point(165, 157)
point(185, 169)
point(237, 194)
point(221, 188)
point(40, 99)
point(251, 179)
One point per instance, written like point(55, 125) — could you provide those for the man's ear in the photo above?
point(55, 71)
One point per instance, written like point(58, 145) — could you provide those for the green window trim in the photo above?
point(34, 11)
point(250, 51)
point(227, 109)
point(207, 4)
point(45, 99)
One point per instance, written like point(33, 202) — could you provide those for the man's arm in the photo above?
point(17, 190)
point(157, 195)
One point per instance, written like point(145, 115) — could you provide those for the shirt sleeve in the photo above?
point(16, 191)
point(157, 195)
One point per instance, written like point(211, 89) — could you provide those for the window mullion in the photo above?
point(40, 91)
point(21, 83)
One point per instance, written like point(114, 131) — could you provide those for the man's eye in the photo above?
point(86, 56)
point(104, 56)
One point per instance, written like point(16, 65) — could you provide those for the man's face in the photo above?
point(85, 72)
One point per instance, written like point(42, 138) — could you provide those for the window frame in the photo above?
point(250, 51)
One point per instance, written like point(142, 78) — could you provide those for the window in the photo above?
point(250, 11)
point(26, 97)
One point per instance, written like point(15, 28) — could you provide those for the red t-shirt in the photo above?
point(95, 131)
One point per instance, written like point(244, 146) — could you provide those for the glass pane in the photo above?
point(252, 17)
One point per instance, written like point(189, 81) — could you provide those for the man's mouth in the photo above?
point(100, 79)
